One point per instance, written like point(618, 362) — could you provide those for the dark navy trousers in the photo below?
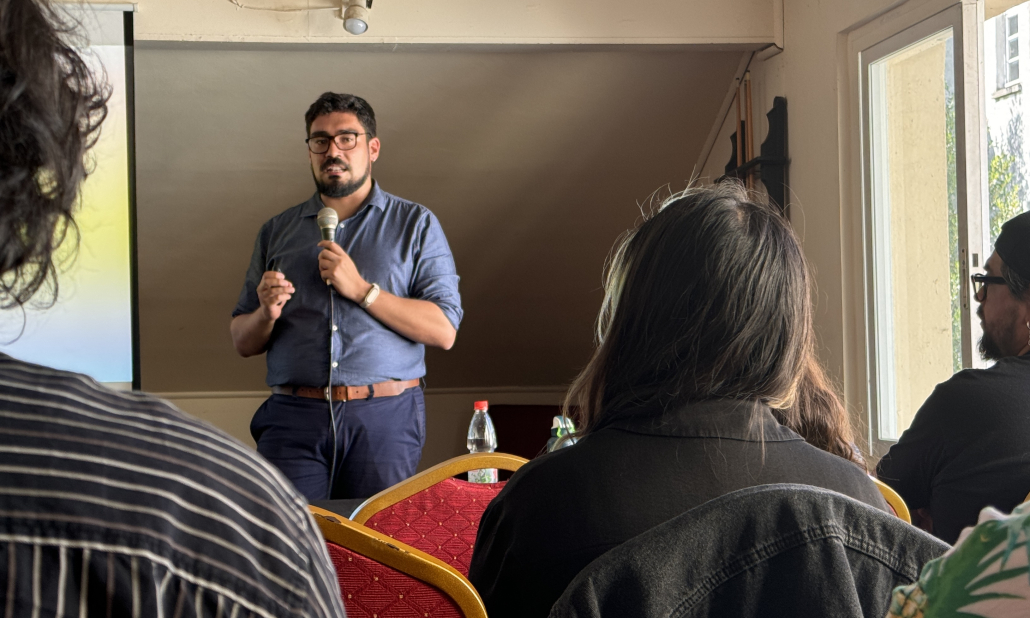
point(378, 442)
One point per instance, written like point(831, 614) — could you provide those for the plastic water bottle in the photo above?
point(561, 426)
point(482, 439)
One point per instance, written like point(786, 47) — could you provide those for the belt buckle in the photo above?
point(325, 393)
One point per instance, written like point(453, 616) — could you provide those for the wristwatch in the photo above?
point(371, 297)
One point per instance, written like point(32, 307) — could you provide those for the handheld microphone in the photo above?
point(327, 221)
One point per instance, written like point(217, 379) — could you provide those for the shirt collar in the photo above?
point(376, 197)
point(720, 418)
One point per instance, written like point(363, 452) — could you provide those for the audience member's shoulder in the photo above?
point(1009, 366)
point(286, 217)
point(75, 393)
point(548, 473)
point(828, 461)
point(73, 403)
point(983, 382)
point(836, 473)
point(404, 208)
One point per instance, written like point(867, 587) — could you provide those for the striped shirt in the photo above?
point(118, 504)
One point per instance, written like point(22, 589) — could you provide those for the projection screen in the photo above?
point(92, 327)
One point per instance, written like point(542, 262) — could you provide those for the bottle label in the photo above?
point(486, 475)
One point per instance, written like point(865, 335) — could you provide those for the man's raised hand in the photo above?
point(273, 291)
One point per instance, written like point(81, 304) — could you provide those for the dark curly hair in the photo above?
point(331, 102)
point(51, 109)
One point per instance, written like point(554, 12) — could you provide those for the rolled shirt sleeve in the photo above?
point(248, 301)
point(435, 277)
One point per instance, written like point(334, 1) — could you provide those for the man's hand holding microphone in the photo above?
point(335, 267)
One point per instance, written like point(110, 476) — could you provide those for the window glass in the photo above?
point(916, 268)
point(1006, 111)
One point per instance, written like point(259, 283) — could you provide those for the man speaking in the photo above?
point(345, 322)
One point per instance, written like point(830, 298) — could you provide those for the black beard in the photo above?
point(339, 189)
point(989, 349)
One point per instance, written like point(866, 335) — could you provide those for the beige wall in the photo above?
point(813, 72)
point(743, 22)
point(920, 266)
point(534, 161)
point(510, 145)
point(807, 72)
point(592, 205)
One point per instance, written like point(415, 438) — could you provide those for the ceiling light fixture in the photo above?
point(355, 16)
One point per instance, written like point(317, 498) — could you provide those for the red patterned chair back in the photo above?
point(382, 578)
point(441, 520)
point(435, 512)
point(373, 590)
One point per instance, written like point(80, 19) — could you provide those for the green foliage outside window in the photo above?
point(1003, 186)
point(953, 259)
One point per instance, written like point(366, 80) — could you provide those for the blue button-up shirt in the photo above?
point(395, 243)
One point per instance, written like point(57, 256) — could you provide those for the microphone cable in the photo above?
point(334, 222)
point(329, 393)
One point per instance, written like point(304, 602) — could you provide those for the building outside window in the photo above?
point(1009, 56)
point(1007, 111)
point(926, 227)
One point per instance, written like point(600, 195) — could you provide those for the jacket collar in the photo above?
point(719, 418)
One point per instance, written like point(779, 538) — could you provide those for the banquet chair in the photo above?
point(380, 577)
point(435, 512)
point(893, 500)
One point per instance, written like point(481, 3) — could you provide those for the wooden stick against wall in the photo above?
point(749, 147)
point(739, 133)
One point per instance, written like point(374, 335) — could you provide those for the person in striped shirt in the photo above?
point(111, 503)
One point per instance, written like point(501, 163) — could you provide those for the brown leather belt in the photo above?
point(348, 393)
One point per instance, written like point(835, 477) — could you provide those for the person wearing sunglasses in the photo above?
point(345, 318)
point(969, 443)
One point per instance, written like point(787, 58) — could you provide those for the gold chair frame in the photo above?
point(431, 476)
point(402, 557)
point(893, 499)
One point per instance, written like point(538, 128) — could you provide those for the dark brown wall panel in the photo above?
point(534, 160)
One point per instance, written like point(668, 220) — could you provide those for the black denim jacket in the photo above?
point(564, 509)
point(775, 550)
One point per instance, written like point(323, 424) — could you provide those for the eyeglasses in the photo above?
point(343, 141)
point(980, 282)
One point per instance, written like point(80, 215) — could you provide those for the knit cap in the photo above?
point(1013, 244)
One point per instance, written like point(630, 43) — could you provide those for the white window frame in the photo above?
point(868, 371)
point(1008, 58)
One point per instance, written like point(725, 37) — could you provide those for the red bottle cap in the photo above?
point(481, 405)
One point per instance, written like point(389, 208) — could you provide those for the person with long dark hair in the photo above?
point(706, 327)
point(114, 503)
point(818, 415)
